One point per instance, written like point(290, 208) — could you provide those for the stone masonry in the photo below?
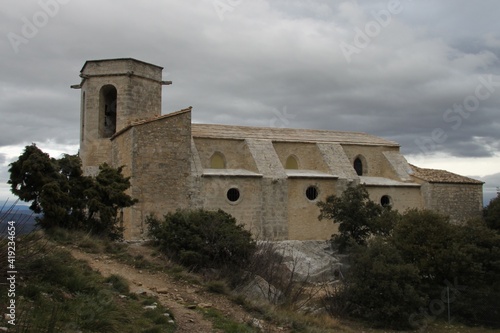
point(269, 179)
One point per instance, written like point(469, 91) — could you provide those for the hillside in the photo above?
point(136, 276)
point(24, 217)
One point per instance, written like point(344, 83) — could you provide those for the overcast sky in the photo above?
point(423, 73)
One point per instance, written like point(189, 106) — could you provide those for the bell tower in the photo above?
point(114, 94)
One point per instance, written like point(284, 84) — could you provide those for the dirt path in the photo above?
point(175, 295)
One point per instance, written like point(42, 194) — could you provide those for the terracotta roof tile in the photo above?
point(441, 176)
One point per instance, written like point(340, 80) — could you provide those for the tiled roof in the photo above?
point(150, 120)
point(441, 176)
point(286, 135)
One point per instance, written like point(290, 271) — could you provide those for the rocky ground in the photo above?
point(181, 297)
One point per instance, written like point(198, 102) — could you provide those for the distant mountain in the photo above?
point(22, 215)
point(490, 187)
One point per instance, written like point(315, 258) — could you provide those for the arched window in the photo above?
point(358, 166)
point(291, 163)
point(217, 161)
point(107, 111)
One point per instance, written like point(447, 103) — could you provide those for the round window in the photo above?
point(385, 201)
point(233, 194)
point(312, 193)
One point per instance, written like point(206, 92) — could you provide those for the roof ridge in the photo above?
point(149, 120)
point(283, 128)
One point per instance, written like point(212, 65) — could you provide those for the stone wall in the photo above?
point(235, 152)
point(161, 177)
point(246, 210)
point(303, 213)
point(307, 155)
point(138, 88)
point(337, 161)
point(402, 198)
point(376, 163)
point(459, 201)
point(274, 208)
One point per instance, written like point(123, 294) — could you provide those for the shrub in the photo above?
point(381, 287)
point(202, 239)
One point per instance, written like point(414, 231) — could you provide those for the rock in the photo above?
point(162, 291)
point(312, 260)
point(256, 323)
point(191, 306)
point(205, 305)
point(67, 295)
point(141, 292)
point(171, 322)
point(260, 289)
point(150, 307)
point(122, 296)
point(4, 329)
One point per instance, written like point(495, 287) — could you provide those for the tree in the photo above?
point(381, 288)
point(105, 198)
point(492, 213)
point(463, 258)
point(67, 198)
point(358, 216)
point(479, 301)
point(30, 173)
point(427, 240)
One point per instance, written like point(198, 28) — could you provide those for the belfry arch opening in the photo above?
point(107, 111)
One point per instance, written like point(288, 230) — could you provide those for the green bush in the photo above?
point(201, 239)
point(381, 288)
point(400, 279)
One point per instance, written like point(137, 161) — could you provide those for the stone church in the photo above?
point(269, 179)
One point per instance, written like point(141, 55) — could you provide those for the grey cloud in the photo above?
point(265, 56)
